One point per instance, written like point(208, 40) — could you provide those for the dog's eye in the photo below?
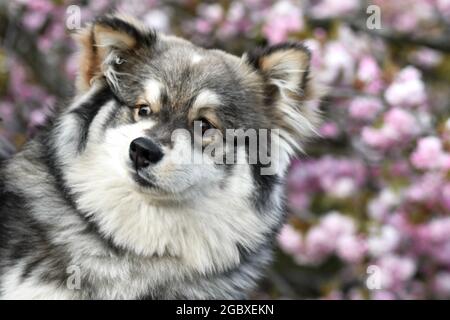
point(205, 125)
point(144, 110)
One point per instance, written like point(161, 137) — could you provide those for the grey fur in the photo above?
point(49, 223)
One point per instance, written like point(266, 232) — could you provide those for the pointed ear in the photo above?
point(105, 43)
point(289, 88)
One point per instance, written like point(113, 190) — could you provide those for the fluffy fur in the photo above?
point(73, 200)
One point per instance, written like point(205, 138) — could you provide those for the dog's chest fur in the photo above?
point(182, 251)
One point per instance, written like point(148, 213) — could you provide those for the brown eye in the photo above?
point(144, 110)
point(205, 125)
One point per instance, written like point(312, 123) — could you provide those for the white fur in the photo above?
point(152, 91)
point(15, 288)
point(206, 98)
point(196, 58)
point(201, 233)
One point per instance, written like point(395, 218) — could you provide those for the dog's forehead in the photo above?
point(183, 72)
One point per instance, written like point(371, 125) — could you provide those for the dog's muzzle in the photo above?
point(144, 152)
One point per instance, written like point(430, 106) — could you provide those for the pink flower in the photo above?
point(318, 244)
point(368, 69)
point(383, 242)
point(402, 123)
point(329, 130)
point(158, 20)
point(37, 117)
point(338, 64)
point(203, 26)
point(351, 248)
point(290, 240)
point(369, 72)
point(444, 8)
point(446, 197)
point(424, 189)
point(6, 111)
point(383, 295)
point(299, 200)
point(382, 205)
point(441, 284)
point(34, 20)
point(399, 126)
point(330, 8)
point(427, 58)
point(375, 138)
point(396, 270)
point(337, 224)
point(429, 154)
point(211, 12)
point(283, 18)
point(407, 90)
point(364, 108)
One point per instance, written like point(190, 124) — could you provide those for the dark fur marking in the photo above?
point(87, 111)
point(148, 38)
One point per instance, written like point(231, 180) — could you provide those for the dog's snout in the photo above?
point(144, 152)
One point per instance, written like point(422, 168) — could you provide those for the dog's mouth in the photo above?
point(143, 180)
point(150, 187)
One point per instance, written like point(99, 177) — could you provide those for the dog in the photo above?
point(106, 202)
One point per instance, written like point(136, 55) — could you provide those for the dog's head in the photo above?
point(175, 106)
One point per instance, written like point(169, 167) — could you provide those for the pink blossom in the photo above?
point(396, 270)
point(44, 6)
point(424, 189)
point(316, 52)
point(330, 8)
point(444, 8)
point(407, 90)
point(375, 138)
point(299, 200)
point(317, 245)
point(383, 295)
point(6, 111)
point(329, 130)
point(365, 108)
point(290, 240)
point(402, 123)
point(211, 12)
point(370, 73)
point(34, 20)
point(37, 117)
point(336, 224)
point(429, 154)
point(399, 126)
point(338, 64)
point(446, 196)
point(344, 187)
point(427, 58)
point(368, 69)
point(203, 26)
point(351, 248)
point(441, 284)
point(284, 17)
point(381, 206)
point(385, 241)
point(158, 20)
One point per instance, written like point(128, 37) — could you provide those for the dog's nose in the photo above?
point(144, 152)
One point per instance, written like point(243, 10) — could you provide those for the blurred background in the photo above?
point(369, 203)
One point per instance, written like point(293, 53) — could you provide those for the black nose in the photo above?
point(143, 152)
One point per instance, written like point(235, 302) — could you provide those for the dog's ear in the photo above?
point(289, 88)
point(105, 44)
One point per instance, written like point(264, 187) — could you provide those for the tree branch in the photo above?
point(441, 43)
